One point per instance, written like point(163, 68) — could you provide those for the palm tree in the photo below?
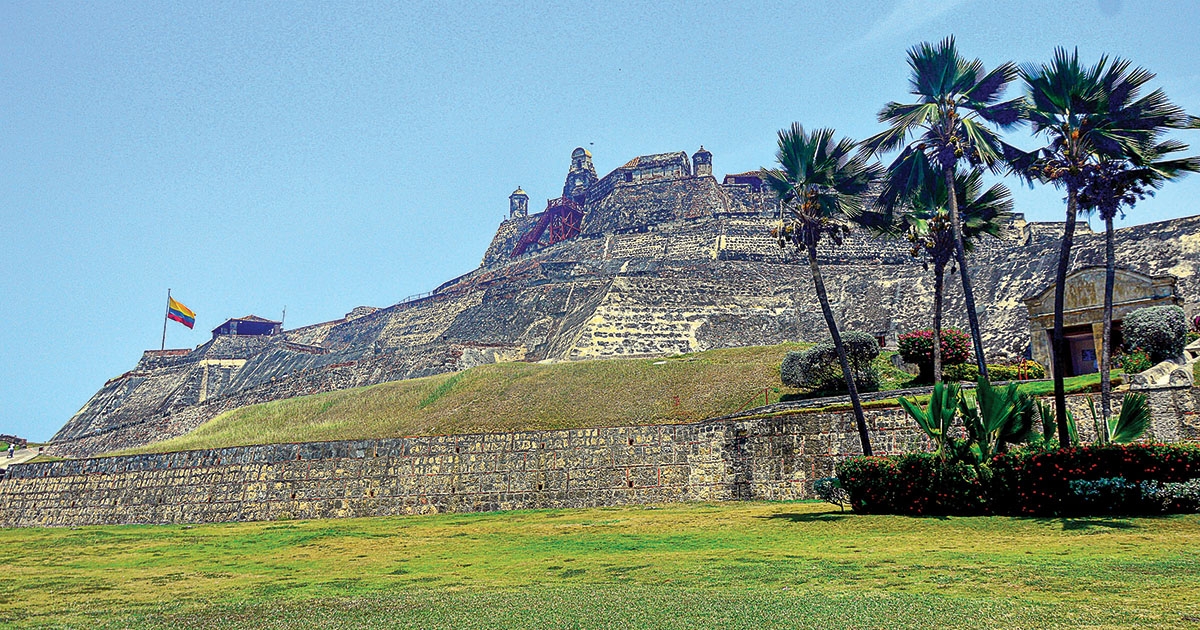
point(925, 221)
point(1087, 115)
point(956, 101)
point(823, 187)
point(1116, 184)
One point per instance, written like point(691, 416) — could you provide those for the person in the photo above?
point(12, 448)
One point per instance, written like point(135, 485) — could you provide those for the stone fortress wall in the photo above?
point(666, 260)
point(775, 458)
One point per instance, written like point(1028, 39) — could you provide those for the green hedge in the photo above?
point(1033, 482)
point(916, 483)
point(1020, 371)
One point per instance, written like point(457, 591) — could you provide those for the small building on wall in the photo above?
point(1083, 313)
point(248, 325)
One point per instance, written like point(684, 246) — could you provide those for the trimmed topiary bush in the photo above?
point(1158, 330)
point(917, 347)
point(818, 367)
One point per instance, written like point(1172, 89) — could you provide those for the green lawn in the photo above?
point(511, 397)
point(735, 565)
point(528, 396)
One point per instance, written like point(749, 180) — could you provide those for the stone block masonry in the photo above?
point(774, 458)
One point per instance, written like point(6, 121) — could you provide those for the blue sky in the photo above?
point(252, 156)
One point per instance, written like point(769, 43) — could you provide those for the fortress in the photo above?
point(656, 257)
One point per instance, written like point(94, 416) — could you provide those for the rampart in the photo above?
point(774, 458)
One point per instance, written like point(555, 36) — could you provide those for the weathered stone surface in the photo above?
point(774, 458)
point(667, 262)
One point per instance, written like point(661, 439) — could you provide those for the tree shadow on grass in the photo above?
point(801, 517)
point(1074, 524)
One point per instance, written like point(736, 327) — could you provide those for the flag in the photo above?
point(180, 313)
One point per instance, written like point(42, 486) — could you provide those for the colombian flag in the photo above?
point(180, 313)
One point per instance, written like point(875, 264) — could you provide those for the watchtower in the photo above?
point(581, 175)
point(518, 204)
point(702, 162)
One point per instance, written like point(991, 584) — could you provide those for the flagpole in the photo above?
point(168, 312)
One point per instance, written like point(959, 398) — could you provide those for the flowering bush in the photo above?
point(1134, 361)
point(1033, 481)
point(1037, 482)
point(917, 347)
point(916, 483)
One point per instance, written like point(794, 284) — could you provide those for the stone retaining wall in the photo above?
point(773, 458)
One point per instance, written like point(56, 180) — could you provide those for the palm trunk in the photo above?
point(960, 254)
point(1059, 349)
point(939, 272)
point(1110, 272)
point(819, 282)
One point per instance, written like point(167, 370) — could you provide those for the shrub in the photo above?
point(1112, 495)
point(819, 368)
point(1134, 361)
point(1159, 330)
point(1190, 337)
point(1037, 482)
point(917, 347)
point(1032, 480)
point(1177, 497)
point(830, 490)
point(917, 484)
point(1000, 372)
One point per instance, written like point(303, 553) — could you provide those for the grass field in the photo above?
point(735, 565)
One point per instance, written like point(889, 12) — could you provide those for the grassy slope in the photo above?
point(736, 565)
point(527, 396)
point(509, 397)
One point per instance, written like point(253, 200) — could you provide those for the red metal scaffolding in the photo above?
point(561, 220)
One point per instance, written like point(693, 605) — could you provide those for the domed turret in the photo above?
point(581, 175)
point(702, 162)
point(518, 203)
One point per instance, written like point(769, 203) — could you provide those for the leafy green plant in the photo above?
point(1112, 495)
point(1177, 497)
point(999, 372)
point(830, 490)
point(1133, 420)
point(1134, 361)
point(995, 416)
point(938, 416)
point(1045, 412)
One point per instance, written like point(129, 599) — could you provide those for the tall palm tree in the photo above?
point(949, 124)
point(1087, 114)
point(925, 221)
point(1117, 184)
point(823, 187)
